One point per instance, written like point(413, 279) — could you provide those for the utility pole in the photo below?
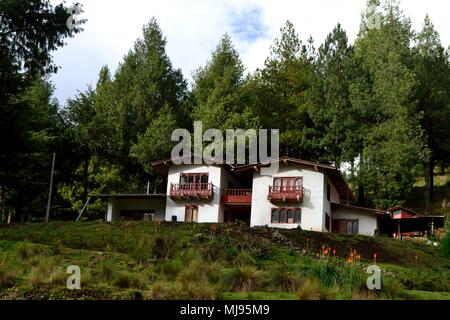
point(47, 213)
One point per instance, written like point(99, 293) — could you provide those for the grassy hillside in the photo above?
point(134, 260)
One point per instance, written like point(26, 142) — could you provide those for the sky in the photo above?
point(194, 27)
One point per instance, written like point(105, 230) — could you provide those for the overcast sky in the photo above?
point(193, 28)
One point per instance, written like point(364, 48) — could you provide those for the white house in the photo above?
point(301, 194)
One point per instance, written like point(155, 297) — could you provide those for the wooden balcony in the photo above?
point(191, 191)
point(236, 196)
point(285, 194)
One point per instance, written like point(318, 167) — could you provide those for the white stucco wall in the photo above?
point(116, 205)
point(311, 207)
point(367, 224)
point(208, 210)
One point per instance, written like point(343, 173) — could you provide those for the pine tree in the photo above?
point(432, 69)
point(331, 110)
point(382, 95)
point(219, 91)
point(283, 92)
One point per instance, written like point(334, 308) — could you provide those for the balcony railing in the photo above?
point(285, 193)
point(191, 191)
point(236, 196)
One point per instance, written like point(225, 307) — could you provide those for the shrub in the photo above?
point(169, 268)
point(199, 290)
point(390, 287)
point(106, 269)
point(127, 280)
point(312, 289)
point(195, 271)
point(7, 276)
point(24, 251)
point(324, 270)
point(162, 291)
point(245, 279)
point(282, 279)
point(445, 244)
point(164, 247)
point(142, 250)
point(46, 271)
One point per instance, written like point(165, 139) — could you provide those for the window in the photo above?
point(345, 226)
point(287, 184)
point(286, 215)
point(352, 227)
point(298, 215)
point(194, 180)
point(328, 192)
point(275, 216)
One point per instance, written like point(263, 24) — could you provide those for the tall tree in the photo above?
point(29, 32)
point(80, 115)
point(382, 95)
point(432, 69)
point(144, 83)
point(283, 94)
point(331, 110)
point(220, 98)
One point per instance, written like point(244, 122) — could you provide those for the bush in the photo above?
point(324, 270)
point(445, 244)
point(127, 280)
point(199, 290)
point(169, 268)
point(312, 290)
point(245, 279)
point(390, 287)
point(106, 269)
point(284, 280)
point(7, 276)
point(142, 250)
point(47, 271)
point(164, 247)
point(163, 291)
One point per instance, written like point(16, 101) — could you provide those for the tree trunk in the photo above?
point(361, 195)
point(19, 205)
point(361, 191)
point(429, 180)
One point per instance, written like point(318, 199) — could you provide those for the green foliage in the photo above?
point(445, 244)
point(280, 92)
point(219, 91)
point(312, 289)
point(246, 278)
point(284, 280)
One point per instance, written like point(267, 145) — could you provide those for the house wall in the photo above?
point(311, 207)
point(208, 210)
point(116, 205)
point(367, 224)
point(334, 198)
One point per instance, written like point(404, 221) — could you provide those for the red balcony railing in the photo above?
point(191, 191)
point(285, 193)
point(236, 196)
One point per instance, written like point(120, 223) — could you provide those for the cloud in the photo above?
point(194, 27)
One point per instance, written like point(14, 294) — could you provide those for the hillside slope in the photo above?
point(134, 260)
